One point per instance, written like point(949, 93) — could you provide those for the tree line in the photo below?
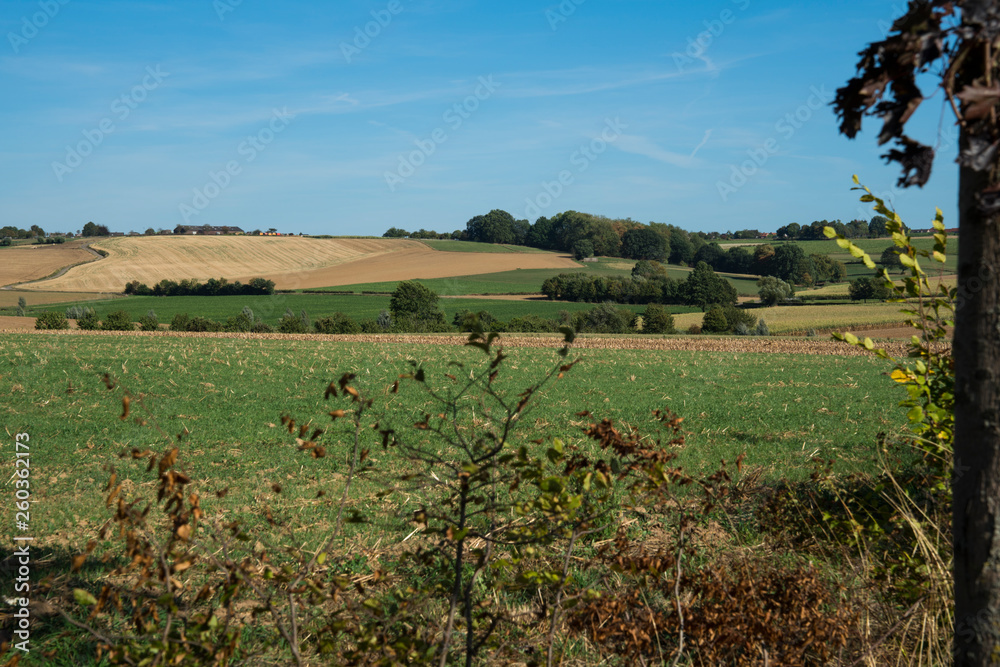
point(213, 287)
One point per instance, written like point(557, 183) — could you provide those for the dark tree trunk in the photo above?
point(976, 485)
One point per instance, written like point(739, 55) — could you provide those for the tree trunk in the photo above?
point(976, 483)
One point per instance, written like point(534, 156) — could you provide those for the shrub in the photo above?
point(415, 301)
point(694, 330)
point(762, 329)
point(149, 322)
point(583, 249)
point(656, 319)
point(531, 324)
point(291, 324)
point(338, 323)
point(51, 320)
point(467, 320)
point(239, 323)
point(604, 318)
point(203, 324)
point(773, 290)
point(180, 322)
point(736, 316)
point(119, 320)
point(715, 321)
point(741, 329)
point(260, 326)
point(89, 322)
point(384, 320)
point(78, 312)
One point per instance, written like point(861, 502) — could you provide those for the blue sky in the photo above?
point(710, 115)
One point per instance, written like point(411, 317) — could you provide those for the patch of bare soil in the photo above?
point(20, 264)
point(741, 344)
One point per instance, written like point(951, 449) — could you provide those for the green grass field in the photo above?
point(358, 307)
point(227, 397)
point(529, 281)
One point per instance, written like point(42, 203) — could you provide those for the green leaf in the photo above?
point(84, 598)
point(851, 338)
point(939, 257)
point(830, 232)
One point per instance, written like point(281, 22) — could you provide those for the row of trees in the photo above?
point(855, 229)
point(787, 262)
point(648, 283)
point(213, 287)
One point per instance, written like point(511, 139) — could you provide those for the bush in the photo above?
point(694, 330)
point(384, 320)
point(773, 290)
point(51, 320)
point(762, 329)
point(715, 321)
point(119, 320)
point(78, 312)
point(291, 324)
point(741, 329)
point(338, 323)
point(531, 324)
point(583, 249)
point(737, 316)
point(604, 318)
point(180, 322)
point(261, 326)
point(413, 300)
point(657, 320)
point(203, 324)
point(149, 322)
point(241, 323)
point(467, 320)
point(89, 321)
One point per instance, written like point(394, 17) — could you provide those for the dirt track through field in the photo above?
point(292, 262)
point(742, 344)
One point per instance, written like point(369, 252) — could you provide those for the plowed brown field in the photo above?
point(741, 344)
point(19, 264)
point(292, 262)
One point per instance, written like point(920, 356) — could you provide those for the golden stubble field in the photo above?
point(292, 262)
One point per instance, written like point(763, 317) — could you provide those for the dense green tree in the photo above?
point(704, 287)
point(738, 260)
point(876, 228)
point(657, 320)
point(787, 263)
point(413, 300)
point(395, 233)
point(890, 259)
point(497, 226)
point(714, 321)
point(540, 235)
point(866, 288)
point(644, 243)
point(91, 229)
point(681, 249)
point(583, 249)
point(711, 254)
point(773, 291)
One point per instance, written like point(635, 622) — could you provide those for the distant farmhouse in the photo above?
point(208, 230)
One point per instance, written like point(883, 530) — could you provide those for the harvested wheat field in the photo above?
point(292, 262)
point(22, 263)
point(734, 344)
